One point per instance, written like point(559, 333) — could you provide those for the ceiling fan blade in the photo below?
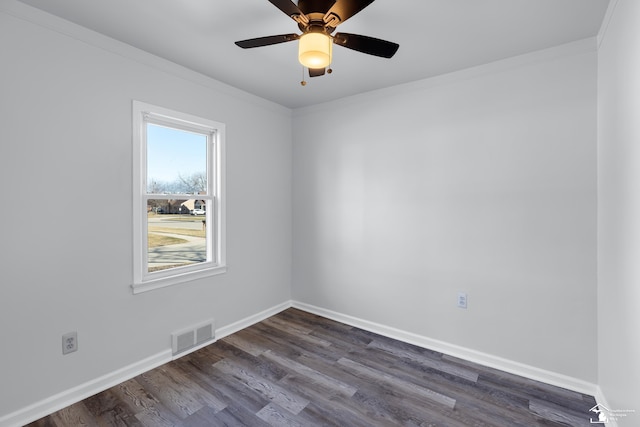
point(315, 6)
point(287, 6)
point(316, 72)
point(346, 9)
point(266, 41)
point(366, 44)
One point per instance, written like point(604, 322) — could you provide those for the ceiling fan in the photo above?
point(318, 19)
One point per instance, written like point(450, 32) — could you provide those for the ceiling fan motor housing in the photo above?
point(316, 16)
point(315, 6)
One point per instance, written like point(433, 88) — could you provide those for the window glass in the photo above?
point(176, 233)
point(176, 161)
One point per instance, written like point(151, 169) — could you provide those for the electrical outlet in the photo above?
point(69, 342)
point(462, 300)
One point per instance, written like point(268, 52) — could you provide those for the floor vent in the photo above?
point(191, 337)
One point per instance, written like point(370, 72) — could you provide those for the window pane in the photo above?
point(176, 161)
point(176, 233)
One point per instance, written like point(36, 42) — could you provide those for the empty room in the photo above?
point(320, 212)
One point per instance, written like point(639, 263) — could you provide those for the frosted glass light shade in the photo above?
point(315, 50)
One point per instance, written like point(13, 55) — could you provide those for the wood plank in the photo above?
point(191, 390)
point(146, 407)
point(232, 416)
point(74, 415)
point(169, 393)
point(239, 398)
point(300, 333)
point(407, 387)
point(478, 405)
point(109, 410)
point(326, 408)
point(251, 347)
point(291, 346)
point(241, 358)
point(287, 326)
point(270, 390)
point(312, 375)
point(553, 412)
point(276, 416)
point(438, 365)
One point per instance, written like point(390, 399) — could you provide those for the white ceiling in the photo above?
point(435, 37)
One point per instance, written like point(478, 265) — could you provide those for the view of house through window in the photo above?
point(178, 206)
point(177, 172)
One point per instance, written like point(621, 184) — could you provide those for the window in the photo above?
point(178, 192)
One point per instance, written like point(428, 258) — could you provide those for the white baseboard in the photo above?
point(76, 394)
point(251, 320)
point(69, 397)
point(513, 367)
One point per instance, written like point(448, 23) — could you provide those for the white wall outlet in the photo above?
point(462, 300)
point(69, 342)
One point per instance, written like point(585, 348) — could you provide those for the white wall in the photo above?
point(484, 182)
point(619, 210)
point(65, 223)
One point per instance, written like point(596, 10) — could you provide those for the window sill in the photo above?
point(162, 282)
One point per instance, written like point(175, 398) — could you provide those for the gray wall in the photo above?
point(619, 210)
point(484, 182)
point(66, 222)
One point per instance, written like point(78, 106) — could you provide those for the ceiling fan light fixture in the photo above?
point(315, 50)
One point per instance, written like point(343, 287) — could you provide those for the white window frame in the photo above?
point(215, 217)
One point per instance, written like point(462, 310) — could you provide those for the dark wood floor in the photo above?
point(298, 369)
